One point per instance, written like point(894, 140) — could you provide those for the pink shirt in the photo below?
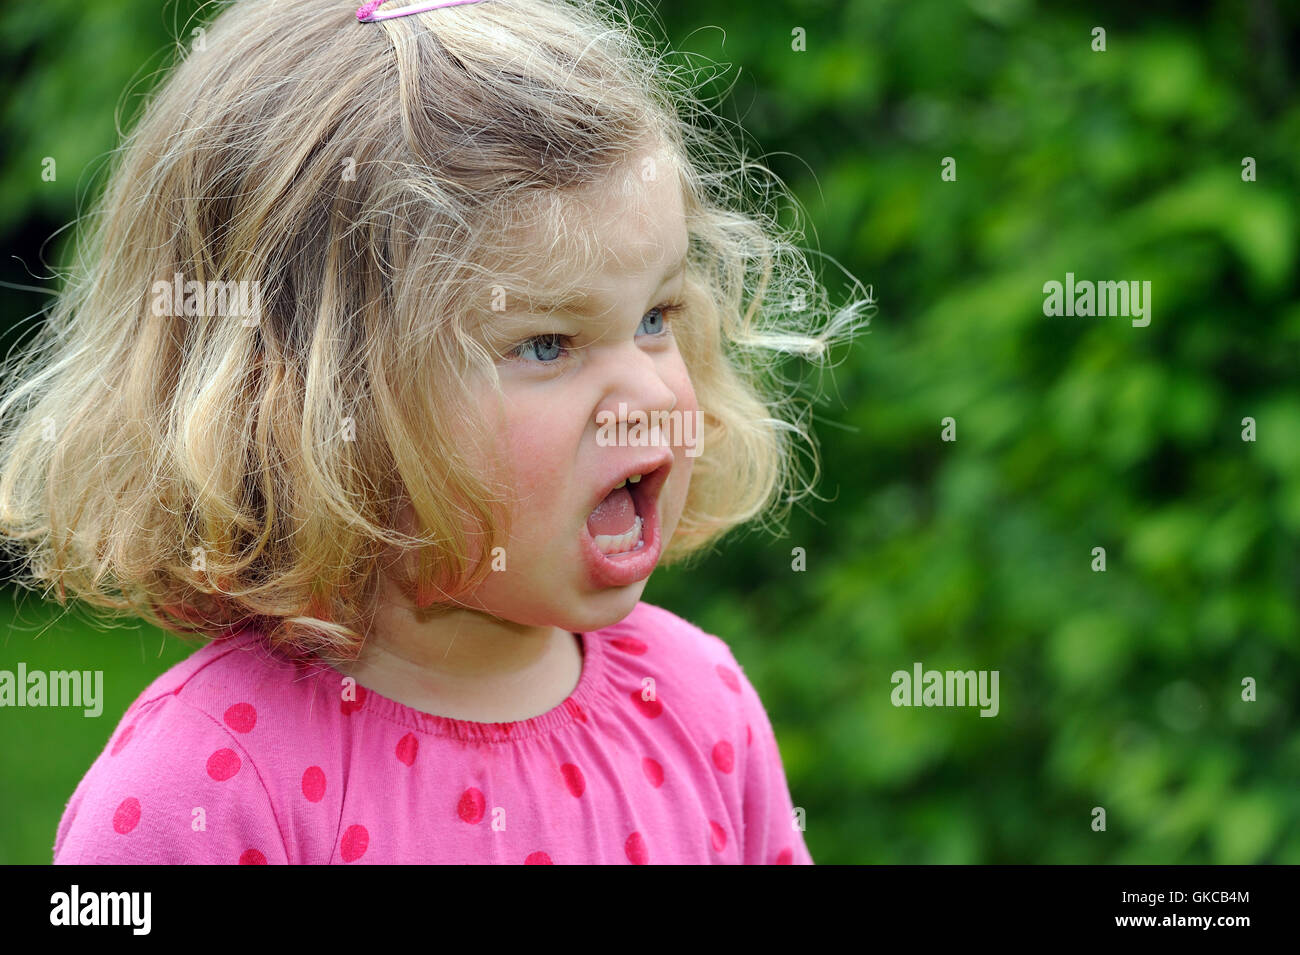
point(237, 755)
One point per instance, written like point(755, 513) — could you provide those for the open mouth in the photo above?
point(617, 524)
point(621, 534)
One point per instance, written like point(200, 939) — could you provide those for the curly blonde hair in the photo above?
point(205, 472)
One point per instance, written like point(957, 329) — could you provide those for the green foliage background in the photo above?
point(1119, 689)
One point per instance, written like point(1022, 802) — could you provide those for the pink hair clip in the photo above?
point(366, 14)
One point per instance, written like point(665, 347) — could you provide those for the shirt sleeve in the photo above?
point(173, 787)
point(773, 831)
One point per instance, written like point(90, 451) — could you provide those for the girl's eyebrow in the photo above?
point(579, 303)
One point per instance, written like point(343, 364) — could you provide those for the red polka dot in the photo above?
point(723, 756)
point(629, 645)
point(573, 779)
point(717, 836)
point(653, 771)
point(355, 841)
point(538, 858)
point(241, 717)
point(576, 710)
point(471, 806)
point(636, 850)
point(407, 747)
point(122, 740)
point(785, 857)
point(313, 784)
point(749, 735)
point(348, 707)
point(729, 677)
point(223, 764)
point(650, 709)
point(252, 857)
point(127, 816)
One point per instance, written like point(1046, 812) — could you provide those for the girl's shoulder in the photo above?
point(240, 667)
point(676, 647)
point(688, 678)
point(236, 682)
point(656, 653)
point(183, 778)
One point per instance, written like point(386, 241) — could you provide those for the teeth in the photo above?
point(622, 483)
point(620, 543)
point(634, 479)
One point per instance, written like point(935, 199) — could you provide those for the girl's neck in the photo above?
point(462, 666)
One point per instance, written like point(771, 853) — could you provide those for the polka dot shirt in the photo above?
point(662, 754)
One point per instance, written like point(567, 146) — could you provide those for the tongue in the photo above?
point(614, 515)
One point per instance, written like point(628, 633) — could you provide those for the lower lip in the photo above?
point(620, 570)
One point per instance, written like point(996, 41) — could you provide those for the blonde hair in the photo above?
point(203, 472)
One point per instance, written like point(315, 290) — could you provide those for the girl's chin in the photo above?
point(604, 608)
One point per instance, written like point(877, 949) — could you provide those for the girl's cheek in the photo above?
point(693, 439)
point(530, 455)
point(684, 389)
point(541, 443)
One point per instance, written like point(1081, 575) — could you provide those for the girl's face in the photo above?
point(610, 358)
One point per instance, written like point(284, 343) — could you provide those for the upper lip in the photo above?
point(664, 460)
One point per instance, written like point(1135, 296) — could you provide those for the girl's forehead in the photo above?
point(575, 245)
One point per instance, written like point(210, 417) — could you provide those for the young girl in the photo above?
point(403, 349)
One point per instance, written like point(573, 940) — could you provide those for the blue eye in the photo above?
point(542, 345)
point(661, 312)
point(549, 349)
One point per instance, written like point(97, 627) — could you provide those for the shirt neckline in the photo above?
point(574, 708)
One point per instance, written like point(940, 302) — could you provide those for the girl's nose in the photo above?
point(637, 384)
